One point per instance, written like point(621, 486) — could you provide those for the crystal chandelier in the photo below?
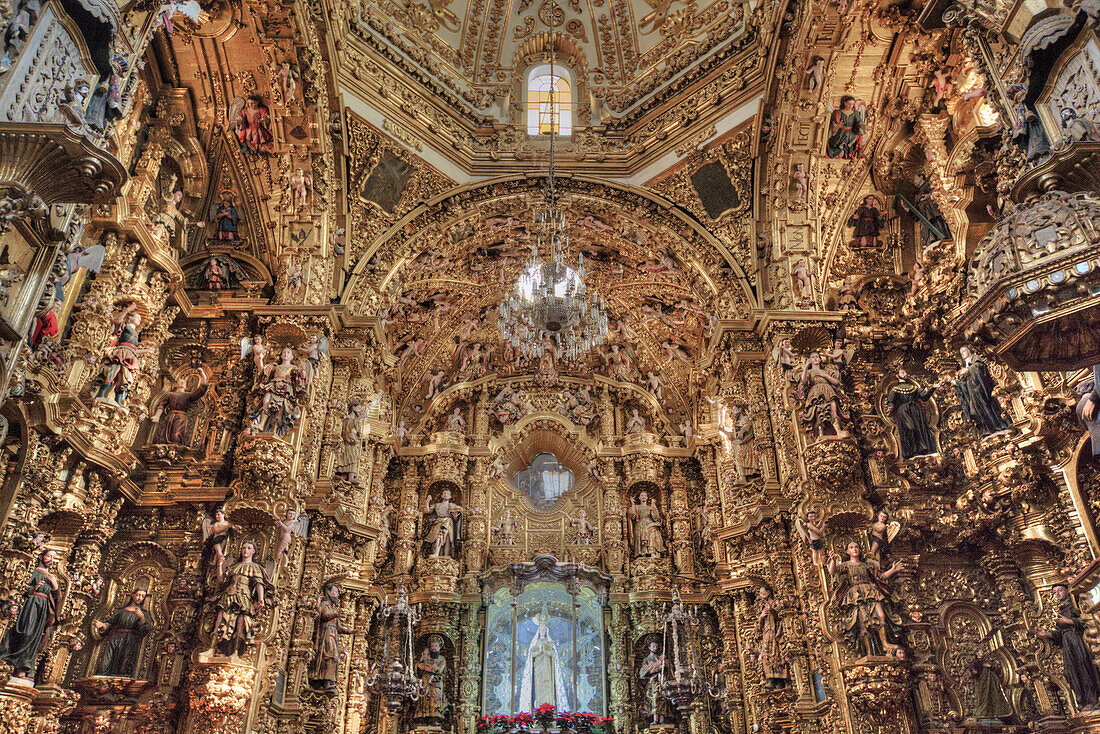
point(395, 680)
point(551, 301)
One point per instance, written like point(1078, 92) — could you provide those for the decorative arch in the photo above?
point(412, 233)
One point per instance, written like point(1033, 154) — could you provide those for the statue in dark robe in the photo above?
point(846, 133)
point(19, 648)
point(171, 412)
point(123, 633)
point(1088, 402)
point(907, 404)
point(931, 212)
point(1069, 634)
point(974, 387)
point(990, 704)
point(1029, 135)
point(325, 665)
point(867, 223)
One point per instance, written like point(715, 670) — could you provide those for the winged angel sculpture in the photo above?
point(278, 389)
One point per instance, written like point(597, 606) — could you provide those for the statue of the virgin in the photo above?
point(543, 678)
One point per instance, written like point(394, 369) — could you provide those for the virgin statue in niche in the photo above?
point(543, 680)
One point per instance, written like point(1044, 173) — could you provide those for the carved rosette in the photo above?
point(438, 575)
point(219, 694)
point(877, 692)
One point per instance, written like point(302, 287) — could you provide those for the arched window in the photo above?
point(544, 118)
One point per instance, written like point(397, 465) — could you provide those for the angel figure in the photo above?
point(821, 407)
point(496, 470)
point(656, 385)
point(215, 537)
point(188, 8)
point(676, 348)
point(688, 430)
point(943, 88)
point(880, 533)
point(584, 532)
point(315, 348)
point(256, 349)
point(294, 279)
point(251, 121)
point(846, 129)
point(721, 413)
point(285, 530)
point(815, 74)
point(840, 354)
point(801, 275)
point(287, 80)
point(410, 349)
point(505, 531)
point(593, 468)
point(800, 182)
point(299, 190)
point(622, 328)
point(812, 532)
point(279, 386)
point(401, 433)
point(784, 356)
point(471, 362)
point(863, 595)
point(246, 590)
point(435, 384)
point(122, 359)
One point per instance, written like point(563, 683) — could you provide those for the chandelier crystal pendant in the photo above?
point(550, 302)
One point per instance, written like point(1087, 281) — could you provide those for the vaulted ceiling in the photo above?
point(649, 74)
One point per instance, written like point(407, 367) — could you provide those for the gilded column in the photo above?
point(613, 534)
point(469, 681)
point(680, 522)
point(477, 526)
point(407, 520)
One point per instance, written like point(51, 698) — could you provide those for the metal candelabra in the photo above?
point(395, 680)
